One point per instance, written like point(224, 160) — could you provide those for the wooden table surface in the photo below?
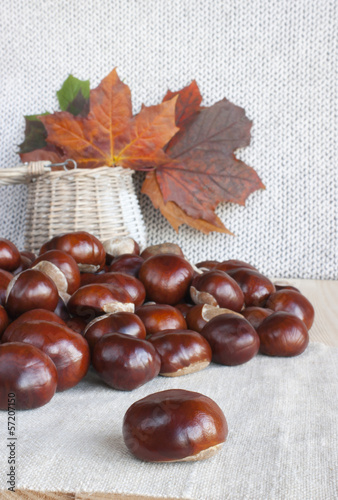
point(324, 297)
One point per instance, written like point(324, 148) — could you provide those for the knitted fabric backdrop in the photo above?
point(275, 58)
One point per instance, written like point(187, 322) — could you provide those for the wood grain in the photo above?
point(324, 297)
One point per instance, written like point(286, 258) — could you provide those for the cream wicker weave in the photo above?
point(101, 201)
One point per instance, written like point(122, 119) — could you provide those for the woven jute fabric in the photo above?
point(282, 443)
point(275, 58)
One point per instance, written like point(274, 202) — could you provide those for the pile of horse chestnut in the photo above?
point(135, 315)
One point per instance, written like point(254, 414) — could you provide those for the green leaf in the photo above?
point(35, 134)
point(74, 95)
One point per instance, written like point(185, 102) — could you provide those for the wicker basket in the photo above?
point(101, 201)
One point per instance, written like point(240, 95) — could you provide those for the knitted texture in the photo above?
point(282, 443)
point(275, 58)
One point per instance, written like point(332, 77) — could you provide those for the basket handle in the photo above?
point(23, 174)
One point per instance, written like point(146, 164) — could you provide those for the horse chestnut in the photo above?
point(293, 302)
point(217, 289)
point(28, 373)
point(166, 278)
point(174, 425)
point(125, 362)
point(159, 317)
point(232, 339)
point(120, 322)
point(10, 257)
point(31, 289)
point(181, 352)
point(283, 334)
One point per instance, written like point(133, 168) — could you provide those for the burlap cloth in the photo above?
point(282, 444)
point(275, 58)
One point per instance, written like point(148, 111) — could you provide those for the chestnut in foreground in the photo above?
point(29, 290)
point(292, 302)
point(159, 317)
point(181, 352)
point(10, 257)
point(28, 373)
point(232, 339)
point(166, 278)
point(217, 289)
point(125, 362)
point(283, 334)
point(174, 425)
point(68, 350)
point(120, 322)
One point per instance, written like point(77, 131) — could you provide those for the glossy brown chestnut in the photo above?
point(232, 339)
point(174, 425)
point(28, 290)
point(33, 315)
point(4, 320)
point(85, 249)
point(127, 263)
point(5, 279)
point(199, 315)
point(28, 373)
point(66, 264)
point(217, 289)
point(230, 264)
point(292, 302)
point(93, 300)
point(181, 352)
point(159, 317)
point(129, 283)
point(125, 362)
point(120, 322)
point(166, 278)
point(68, 350)
point(162, 248)
point(255, 286)
point(283, 334)
point(10, 257)
point(255, 315)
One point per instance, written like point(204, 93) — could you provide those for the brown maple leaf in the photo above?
point(110, 135)
point(201, 170)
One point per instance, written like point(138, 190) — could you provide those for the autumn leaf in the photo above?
point(201, 170)
point(110, 135)
point(188, 103)
point(173, 213)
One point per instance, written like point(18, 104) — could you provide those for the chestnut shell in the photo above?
point(174, 425)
